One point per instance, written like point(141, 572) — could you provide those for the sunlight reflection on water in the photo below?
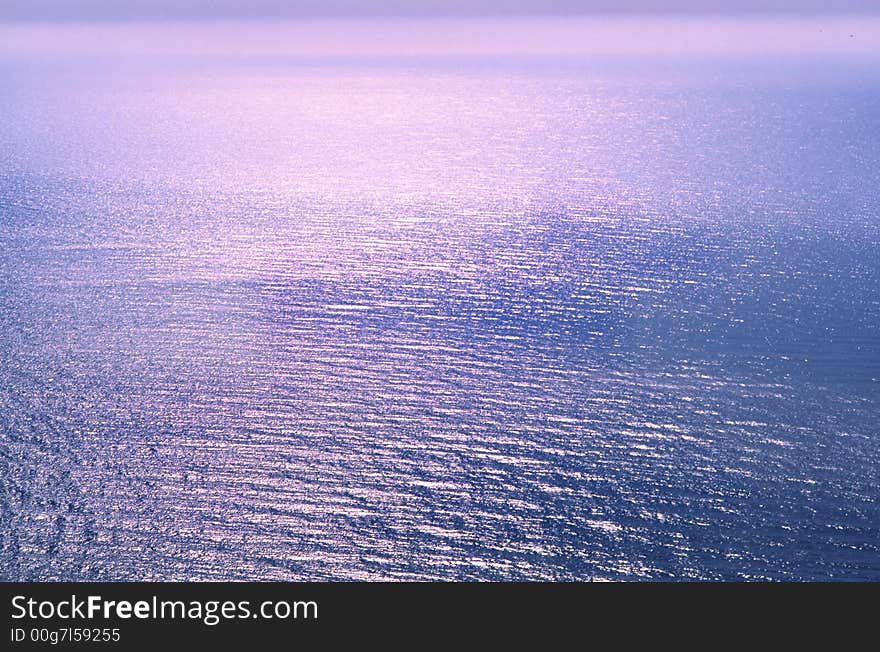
point(458, 321)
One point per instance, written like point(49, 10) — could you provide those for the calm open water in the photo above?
point(440, 320)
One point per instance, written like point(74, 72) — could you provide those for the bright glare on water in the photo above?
point(459, 319)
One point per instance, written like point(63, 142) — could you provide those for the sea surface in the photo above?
point(452, 319)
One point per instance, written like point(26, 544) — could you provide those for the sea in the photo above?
point(440, 318)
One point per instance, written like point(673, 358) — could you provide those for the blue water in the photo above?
point(440, 320)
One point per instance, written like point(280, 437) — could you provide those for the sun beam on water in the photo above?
point(489, 299)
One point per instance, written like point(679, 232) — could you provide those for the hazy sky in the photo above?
point(359, 28)
point(460, 37)
point(65, 10)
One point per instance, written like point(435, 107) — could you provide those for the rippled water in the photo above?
point(277, 320)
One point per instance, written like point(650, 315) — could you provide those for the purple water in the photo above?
point(463, 319)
